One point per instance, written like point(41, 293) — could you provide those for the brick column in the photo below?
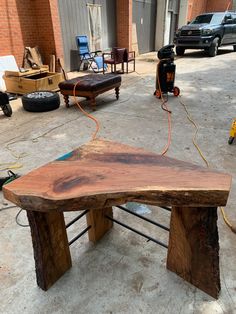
point(49, 28)
point(56, 24)
point(124, 23)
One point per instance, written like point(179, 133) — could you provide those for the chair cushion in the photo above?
point(91, 82)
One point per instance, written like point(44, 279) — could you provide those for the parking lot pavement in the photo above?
point(123, 273)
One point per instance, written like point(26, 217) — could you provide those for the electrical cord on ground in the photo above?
point(94, 136)
point(17, 221)
point(8, 207)
point(17, 215)
point(226, 220)
point(10, 165)
point(195, 134)
point(15, 165)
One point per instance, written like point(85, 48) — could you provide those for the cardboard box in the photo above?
point(30, 83)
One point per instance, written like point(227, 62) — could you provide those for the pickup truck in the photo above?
point(207, 31)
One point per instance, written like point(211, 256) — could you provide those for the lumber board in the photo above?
point(193, 251)
point(99, 223)
point(102, 174)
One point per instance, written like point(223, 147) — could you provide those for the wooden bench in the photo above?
point(90, 86)
point(102, 174)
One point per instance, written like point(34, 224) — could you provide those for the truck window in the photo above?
point(202, 19)
point(234, 18)
point(208, 19)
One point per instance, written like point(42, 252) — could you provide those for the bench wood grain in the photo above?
point(102, 174)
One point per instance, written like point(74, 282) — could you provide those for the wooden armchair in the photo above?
point(129, 56)
point(116, 56)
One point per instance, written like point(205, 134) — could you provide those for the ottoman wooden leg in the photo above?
point(66, 100)
point(99, 223)
point(117, 89)
point(93, 103)
point(50, 244)
point(193, 251)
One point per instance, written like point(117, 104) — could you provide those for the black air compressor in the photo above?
point(165, 75)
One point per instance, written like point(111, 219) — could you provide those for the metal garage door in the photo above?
point(74, 21)
point(173, 12)
point(144, 16)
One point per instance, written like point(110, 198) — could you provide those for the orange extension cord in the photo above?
point(94, 136)
point(165, 107)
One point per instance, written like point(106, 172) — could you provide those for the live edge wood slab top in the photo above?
point(101, 174)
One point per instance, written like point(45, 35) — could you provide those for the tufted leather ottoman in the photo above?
point(90, 86)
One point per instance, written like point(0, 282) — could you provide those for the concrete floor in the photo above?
point(123, 273)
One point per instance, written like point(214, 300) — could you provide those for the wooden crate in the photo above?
point(29, 72)
point(29, 83)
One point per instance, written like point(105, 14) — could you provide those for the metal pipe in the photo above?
point(79, 235)
point(136, 231)
point(76, 218)
point(166, 208)
point(144, 218)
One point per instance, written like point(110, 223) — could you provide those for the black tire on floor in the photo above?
point(41, 101)
point(7, 110)
point(234, 47)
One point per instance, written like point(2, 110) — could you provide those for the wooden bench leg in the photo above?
point(93, 103)
point(193, 251)
point(50, 244)
point(66, 100)
point(117, 90)
point(99, 223)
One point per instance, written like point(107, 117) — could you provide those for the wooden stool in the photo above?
point(90, 86)
point(102, 174)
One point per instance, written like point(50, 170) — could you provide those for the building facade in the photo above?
point(142, 25)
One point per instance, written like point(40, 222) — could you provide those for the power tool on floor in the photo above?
point(165, 74)
point(232, 133)
point(11, 176)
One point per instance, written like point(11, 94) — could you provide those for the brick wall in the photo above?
point(48, 24)
point(218, 5)
point(196, 7)
point(124, 23)
point(17, 27)
point(30, 23)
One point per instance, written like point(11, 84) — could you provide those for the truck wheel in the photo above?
point(234, 46)
point(176, 91)
point(213, 49)
point(7, 110)
point(41, 101)
point(157, 94)
point(179, 51)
